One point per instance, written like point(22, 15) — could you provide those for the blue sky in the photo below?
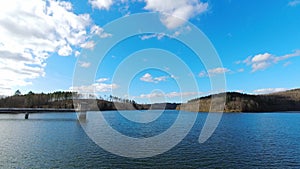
point(43, 42)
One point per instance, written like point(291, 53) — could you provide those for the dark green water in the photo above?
point(260, 140)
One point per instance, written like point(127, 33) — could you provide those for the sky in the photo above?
point(45, 43)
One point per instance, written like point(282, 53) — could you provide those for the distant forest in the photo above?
point(41, 100)
point(235, 102)
point(65, 100)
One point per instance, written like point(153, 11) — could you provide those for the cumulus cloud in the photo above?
point(294, 3)
point(101, 85)
point(263, 61)
point(31, 31)
point(98, 87)
point(214, 72)
point(175, 13)
point(150, 79)
point(269, 90)
point(88, 45)
point(101, 4)
point(65, 50)
point(123, 5)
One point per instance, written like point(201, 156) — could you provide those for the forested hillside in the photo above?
point(238, 102)
point(41, 100)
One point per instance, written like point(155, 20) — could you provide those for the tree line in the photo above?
point(59, 99)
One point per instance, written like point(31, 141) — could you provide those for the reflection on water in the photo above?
point(241, 141)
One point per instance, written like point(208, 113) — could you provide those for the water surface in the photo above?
point(57, 140)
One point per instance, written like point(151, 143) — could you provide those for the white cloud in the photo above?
point(168, 95)
point(218, 70)
point(101, 80)
point(175, 13)
point(31, 31)
point(182, 94)
point(123, 5)
point(77, 53)
point(261, 57)
point(269, 90)
point(287, 56)
point(239, 91)
point(151, 95)
point(101, 4)
point(294, 3)
point(88, 45)
point(100, 32)
point(149, 78)
point(180, 31)
point(161, 78)
point(98, 87)
point(159, 36)
point(263, 61)
point(65, 50)
point(214, 72)
point(84, 64)
point(260, 66)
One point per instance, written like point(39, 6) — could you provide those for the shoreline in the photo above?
point(54, 110)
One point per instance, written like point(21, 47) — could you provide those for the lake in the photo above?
point(242, 140)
